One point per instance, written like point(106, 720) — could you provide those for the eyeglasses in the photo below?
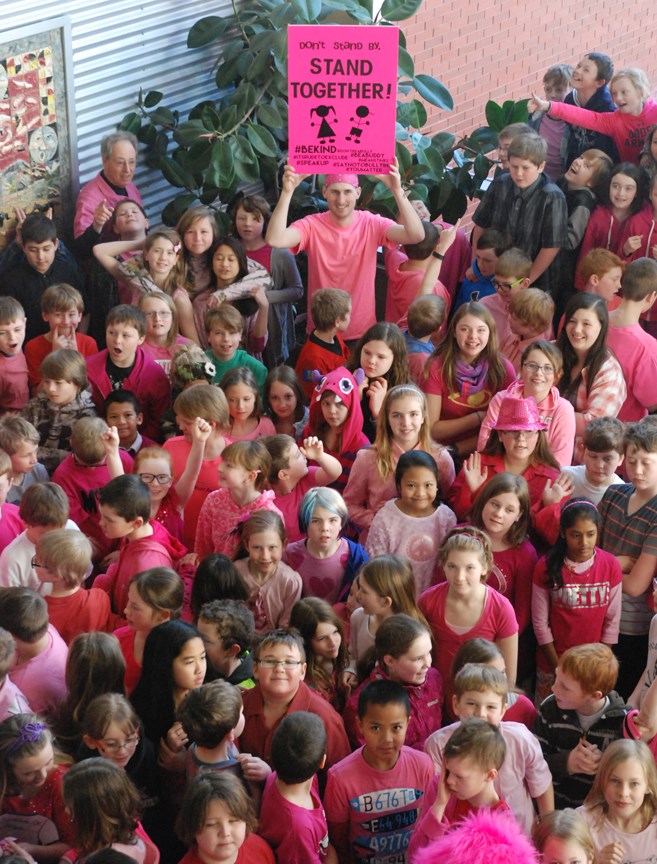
point(165, 314)
point(34, 563)
point(115, 746)
point(160, 479)
point(270, 663)
point(507, 286)
point(516, 433)
point(548, 369)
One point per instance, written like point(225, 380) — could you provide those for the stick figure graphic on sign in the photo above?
point(325, 130)
point(359, 121)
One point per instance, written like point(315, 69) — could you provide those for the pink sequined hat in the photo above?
point(352, 179)
point(519, 415)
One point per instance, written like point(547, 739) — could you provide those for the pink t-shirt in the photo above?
point(289, 504)
point(14, 391)
point(380, 807)
point(511, 576)
point(207, 481)
point(41, 678)
point(403, 286)
point(636, 351)
point(497, 621)
point(321, 577)
point(524, 773)
point(161, 354)
point(499, 309)
point(344, 256)
point(456, 404)
point(297, 835)
point(265, 427)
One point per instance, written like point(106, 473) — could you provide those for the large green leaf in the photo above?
point(405, 63)
point(205, 31)
point(307, 10)
point(259, 69)
point(433, 91)
point(198, 156)
point(433, 160)
point(404, 158)
point(163, 117)
point(412, 113)
point(444, 143)
point(519, 113)
point(399, 10)
point(174, 174)
point(419, 141)
point(244, 98)
point(152, 98)
point(268, 115)
point(482, 166)
point(221, 170)
point(262, 140)
point(495, 115)
point(131, 123)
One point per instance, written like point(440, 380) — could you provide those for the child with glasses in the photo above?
point(162, 328)
point(279, 669)
point(63, 560)
point(511, 277)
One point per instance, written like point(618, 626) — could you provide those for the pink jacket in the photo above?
point(148, 381)
point(627, 130)
point(158, 550)
point(91, 194)
point(554, 410)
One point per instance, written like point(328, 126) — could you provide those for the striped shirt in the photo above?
point(629, 535)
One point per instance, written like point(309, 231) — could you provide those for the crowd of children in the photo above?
point(338, 602)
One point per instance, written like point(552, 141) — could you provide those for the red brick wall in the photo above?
point(499, 49)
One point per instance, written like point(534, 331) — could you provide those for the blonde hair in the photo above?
point(5, 463)
point(638, 79)
point(66, 554)
point(209, 403)
point(383, 441)
point(61, 297)
point(253, 456)
point(568, 825)
point(535, 308)
point(617, 753)
point(154, 452)
point(164, 298)
point(468, 539)
point(177, 274)
point(85, 440)
point(392, 576)
point(16, 431)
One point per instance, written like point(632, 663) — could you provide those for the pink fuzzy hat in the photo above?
point(483, 837)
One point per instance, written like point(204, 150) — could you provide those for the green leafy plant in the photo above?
point(239, 135)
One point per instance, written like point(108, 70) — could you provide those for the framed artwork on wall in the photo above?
point(38, 164)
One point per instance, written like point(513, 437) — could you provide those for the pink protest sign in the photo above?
point(342, 96)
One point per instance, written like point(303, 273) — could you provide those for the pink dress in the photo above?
point(272, 602)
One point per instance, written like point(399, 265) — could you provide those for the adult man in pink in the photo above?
point(341, 244)
point(98, 198)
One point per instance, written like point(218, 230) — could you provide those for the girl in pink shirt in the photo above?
point(199, 232)
point(415, 524)
point(464, 607)
point(247, 422)
point(220, 799)
point(326, 649)
point(274, 587)
point(243, 475)
point(404, 425)
point(32, 808)
point(105, 806)
point(501, 509)
point(462, 376)
point(162, 330)
point(154, 596)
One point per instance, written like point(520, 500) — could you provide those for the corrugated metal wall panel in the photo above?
point(119, 46)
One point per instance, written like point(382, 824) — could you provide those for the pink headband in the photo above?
point(572, 502)
point(341, 178)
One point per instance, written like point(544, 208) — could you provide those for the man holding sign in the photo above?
point(341, 244)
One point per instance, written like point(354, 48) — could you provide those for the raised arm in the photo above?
point(409, 228)
point(200, 430)
point(432, 273)
point(106, 254)
point(278, 234)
